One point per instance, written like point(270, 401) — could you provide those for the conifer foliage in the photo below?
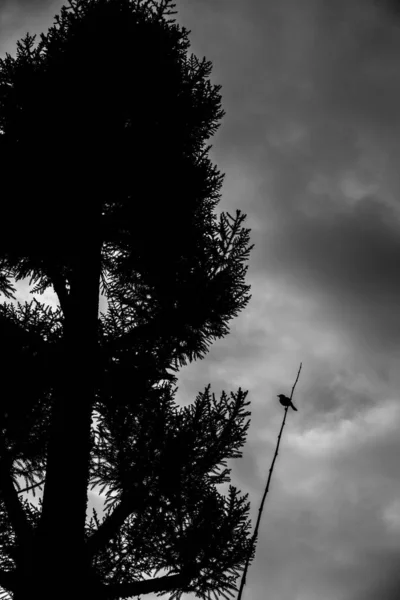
point(108, 188)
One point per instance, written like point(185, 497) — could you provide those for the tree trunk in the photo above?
point(56, 566)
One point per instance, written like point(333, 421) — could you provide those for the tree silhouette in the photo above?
point(108, 188)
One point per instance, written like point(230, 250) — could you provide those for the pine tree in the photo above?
point(108, 188)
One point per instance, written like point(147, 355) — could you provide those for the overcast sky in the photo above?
point(310, 146)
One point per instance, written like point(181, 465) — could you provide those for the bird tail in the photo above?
point(293, 406)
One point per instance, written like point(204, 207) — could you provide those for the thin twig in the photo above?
point(30, 487)
point(297, 378)
point(260, 510)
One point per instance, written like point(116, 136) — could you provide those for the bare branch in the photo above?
point(297, 378)
point(260, 510)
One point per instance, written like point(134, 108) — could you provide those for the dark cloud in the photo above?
point(351, 258)
point(383, 576)
point(312, 94)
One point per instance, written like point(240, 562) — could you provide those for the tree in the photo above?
point(108, 187)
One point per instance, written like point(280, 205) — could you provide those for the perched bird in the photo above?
point(285, 401)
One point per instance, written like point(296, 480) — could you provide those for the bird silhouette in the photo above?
point(285, 401)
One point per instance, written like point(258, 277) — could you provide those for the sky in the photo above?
point(310, 146)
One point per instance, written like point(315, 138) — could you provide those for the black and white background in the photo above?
point(310, 145)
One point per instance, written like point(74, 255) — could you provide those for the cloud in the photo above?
point(310, 147)
point(312, 95)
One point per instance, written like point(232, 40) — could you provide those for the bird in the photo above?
point(285, 401)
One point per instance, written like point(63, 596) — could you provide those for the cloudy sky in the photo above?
point(310, 145)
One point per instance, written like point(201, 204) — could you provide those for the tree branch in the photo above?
point(60, 289)
point(31, 487)
point(111, 524)
point(9, 494)
point(8, 580)
point(166, 583)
